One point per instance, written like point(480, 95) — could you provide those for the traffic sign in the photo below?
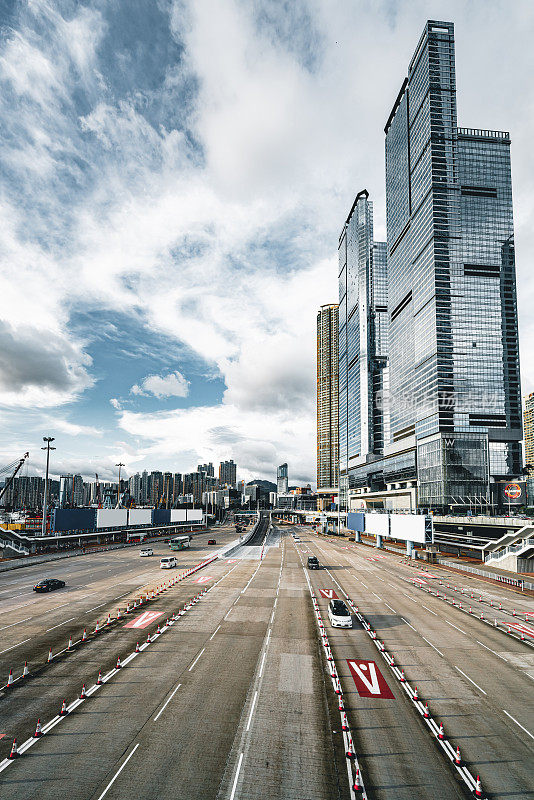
point(144, 619)
point(369, 680)
point(329, 594)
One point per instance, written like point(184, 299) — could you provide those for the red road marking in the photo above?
point(203, 579)
point(369, 680)
point(144, 619)
point(523, 629)
point(2, 735)
point(427, 574)
point(329, 594)
point(418, 580)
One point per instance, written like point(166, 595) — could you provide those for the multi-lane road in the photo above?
point(233, 699)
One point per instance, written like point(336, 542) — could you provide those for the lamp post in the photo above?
point(119, 465)
point(46, 439)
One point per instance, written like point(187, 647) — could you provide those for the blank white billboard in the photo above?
point(178, 514)
point(377, 524)
point(111, 517)
point(408, 527)
point(140, 516)
point(194, 515)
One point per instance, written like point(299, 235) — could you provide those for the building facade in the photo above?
point(327, 399)
point(363, 346)
point(528, 418)
point(228, 473)
point(282, 480)
point(453, 423)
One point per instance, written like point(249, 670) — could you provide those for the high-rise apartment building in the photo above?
point(282, 480)
point(363, 345)
point(156, 488)
point(454, 413)
point(528, 418)
point(327, 399)
point(227, 473)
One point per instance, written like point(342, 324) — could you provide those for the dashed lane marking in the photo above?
point(59, 625)
point(470, 680)
point(164, 706)
point(114, 778)
point(518, 723)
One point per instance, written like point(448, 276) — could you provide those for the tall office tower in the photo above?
point(134, 487)
point(282, 481)
point(156, 488)
point(529, 432)
point(227, 473)
point(363, 347)
point(454, 359)
point(327, 399)
point(145, 487)
point(168, 482)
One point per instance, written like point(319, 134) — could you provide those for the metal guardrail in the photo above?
point(519, 582)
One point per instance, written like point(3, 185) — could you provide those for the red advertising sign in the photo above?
point(369, 680)
point(512, 491)
point(144, 619)
point(329, 594)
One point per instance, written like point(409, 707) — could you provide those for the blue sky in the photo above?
point(174, 176)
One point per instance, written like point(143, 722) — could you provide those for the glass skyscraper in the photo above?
point(363, 343)
point(327, 399)
point(453, 356)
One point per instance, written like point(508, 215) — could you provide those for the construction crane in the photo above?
point(15, 466)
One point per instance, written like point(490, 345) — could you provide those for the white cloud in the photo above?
point(72, 429)
point(115, 403)
point(172, 385)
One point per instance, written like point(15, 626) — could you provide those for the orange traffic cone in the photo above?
point(10, 678)
point(441, 734)
point(14, 752)
point(63, 709)
point(357, 787)
point(478, 788)
point(38, 731)
point(83, 695)
point(99, 679)
point(118, 664)
point(25, 671)
point(458, 758)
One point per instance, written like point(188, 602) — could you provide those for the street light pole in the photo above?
point(46, 439)
point(119, 465)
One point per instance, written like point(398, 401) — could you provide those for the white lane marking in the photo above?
point(238, 770)
point(95, 607)
point(491, 651)
point(214, 632)
point(407, 623)
point(196, 659)
point(114, 778)
point(518, 723)
point(14, 645)
point(390, 608)
point(262, 665)
point(60, 624)
point(364, 584)
point(377, 595)
point(15, 623)
point(429, 609)
point(431, 645)
point(470, 680)
point(408, 596)
point(455, 626)
point(164, 706)
point(251, 711)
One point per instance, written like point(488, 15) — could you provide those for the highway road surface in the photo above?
point(232, 697)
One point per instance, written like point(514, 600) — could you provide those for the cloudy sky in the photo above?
point(174, 177)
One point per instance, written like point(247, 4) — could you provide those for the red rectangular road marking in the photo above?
point(144, 619)
point(369, 680)
point(203, 579)
point(427, 574)
point(523, 629)
point(329, 594)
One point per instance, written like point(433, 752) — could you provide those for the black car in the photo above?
point(313, 562)
point(48, 585)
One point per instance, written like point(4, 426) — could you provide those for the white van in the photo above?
point(168, 562)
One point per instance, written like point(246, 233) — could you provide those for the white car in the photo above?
point(168, 562)
point(339, 614)
point(146, 551)
point(297, 538)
